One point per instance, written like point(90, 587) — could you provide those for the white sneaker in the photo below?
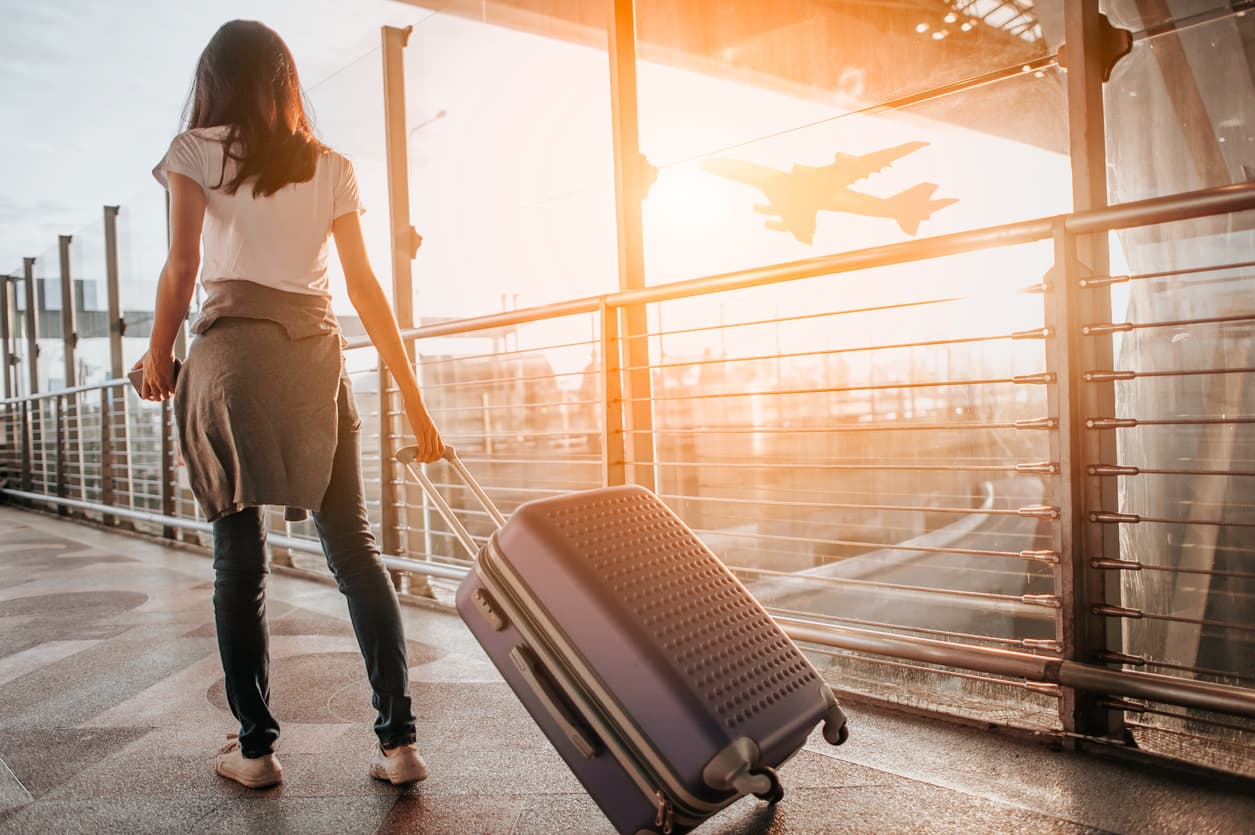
point(398, 765)
point(257, 773)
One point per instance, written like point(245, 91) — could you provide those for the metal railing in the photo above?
point(917, 476)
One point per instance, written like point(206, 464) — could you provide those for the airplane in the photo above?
point(796, 197)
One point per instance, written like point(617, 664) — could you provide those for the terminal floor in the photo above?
point(112, 708)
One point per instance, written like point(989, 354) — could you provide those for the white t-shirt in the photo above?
point(280, 241)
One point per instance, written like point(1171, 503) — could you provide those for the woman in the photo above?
point(263, 404)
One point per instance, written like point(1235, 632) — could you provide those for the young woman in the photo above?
point(263, 404)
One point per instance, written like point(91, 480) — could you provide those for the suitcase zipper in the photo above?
point(659, 790)
point(666, 813)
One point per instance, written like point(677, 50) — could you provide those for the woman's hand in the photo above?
point(427, 437)
point(158, 380)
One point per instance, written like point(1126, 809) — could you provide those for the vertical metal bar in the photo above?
point(69, 411)
point(117, 325)
point(404, 238)
point(167, 467)
point(1080, 586)
point(28, 477)
point(404, 248)
point(59, 488)
point(7, 328)
point(629, 179)
point(107, 494)
point(390, 524)
point(612, 440)
point(32, 325)
point(1085, 31)
point(69, 334)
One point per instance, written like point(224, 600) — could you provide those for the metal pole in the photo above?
point(108, 496)
point(58, 404)
point(390, 525)
point(630, 187)
point(116, 433)
point(117, 325)
point(404, 236)
point(69, 417)
point(612, 438)
point(167, 467)
point(69, 334)
point(394, 40)
point(28, 477)
point(405, 242)
point(7, 327)
point(1085, 635)
point(32, 325)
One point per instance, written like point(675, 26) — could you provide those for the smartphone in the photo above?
point(136, 376)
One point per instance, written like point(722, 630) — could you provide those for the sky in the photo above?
point(91, 93)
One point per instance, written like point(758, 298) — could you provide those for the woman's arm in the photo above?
point(174, 290)
point(381, 325)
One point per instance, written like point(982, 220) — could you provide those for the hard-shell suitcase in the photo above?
point(667, 689)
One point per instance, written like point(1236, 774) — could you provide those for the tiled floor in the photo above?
point(111, 708)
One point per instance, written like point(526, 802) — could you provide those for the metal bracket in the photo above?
point(1116, 43)
point(416, 240)
point(649, 176)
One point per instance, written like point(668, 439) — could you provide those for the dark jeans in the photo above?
point(240, 608)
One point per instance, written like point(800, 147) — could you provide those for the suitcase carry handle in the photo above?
point(538, 679)
point(406, 456)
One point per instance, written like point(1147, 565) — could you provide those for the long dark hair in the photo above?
point(246, 81)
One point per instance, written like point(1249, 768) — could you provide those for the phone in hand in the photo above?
point(136, 376)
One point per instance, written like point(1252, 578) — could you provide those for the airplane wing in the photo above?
point(759, 176)
point(850, 168)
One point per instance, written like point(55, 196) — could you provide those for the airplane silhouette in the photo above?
point(796, 197)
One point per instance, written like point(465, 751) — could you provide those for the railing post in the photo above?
point(167, 467)
point(59, 488)
point(1089, 58)
point(387, 486)
point(32, 325)
point(612, 441)
point(69, 334)
point(630, 186)
point(402, 253)
point(8, 327)
point(6, 365)
point(108, 496)
point(405, 242)
point(117, 324)
point(28, 477)
point(1081, 586)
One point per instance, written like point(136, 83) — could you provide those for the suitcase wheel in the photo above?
point(842, 734)
point(776, 793)
point(836, 731)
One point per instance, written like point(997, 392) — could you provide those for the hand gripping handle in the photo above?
point(406, 456)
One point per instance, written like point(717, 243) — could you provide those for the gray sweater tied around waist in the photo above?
point(261, 400)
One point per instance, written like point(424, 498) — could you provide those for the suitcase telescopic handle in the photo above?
point(407, 455)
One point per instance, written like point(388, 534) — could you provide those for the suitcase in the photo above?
point(663, 684)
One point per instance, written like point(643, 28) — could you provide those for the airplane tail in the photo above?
point(915, 205)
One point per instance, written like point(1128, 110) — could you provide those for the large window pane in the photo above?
point(782, 162)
